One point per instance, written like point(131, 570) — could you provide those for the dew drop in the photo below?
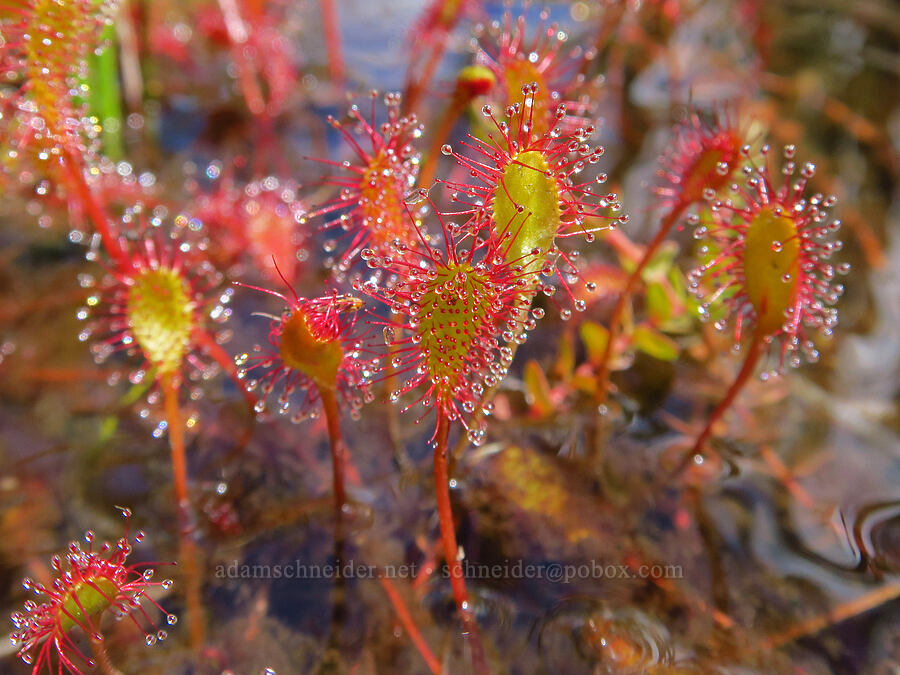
point(416, 196)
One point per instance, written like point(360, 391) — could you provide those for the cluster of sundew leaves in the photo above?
point(700, 160)
point(527, 192)
point(451, 305)
point(155, 306)
point(530, 169)
point(44, 45)
point(371, 204)
point(253, 222)
point(251, 39)
point(529, 200)
point(438, 19)
point(517, 60)
point(769, 246)
point(313, 346)
point(87, 584)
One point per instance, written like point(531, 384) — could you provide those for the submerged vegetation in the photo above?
point(526, 402)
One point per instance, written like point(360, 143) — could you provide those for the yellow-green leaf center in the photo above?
point(519, 73)
point(85, 602)
point(46, 71)
point(381, 203)
point(704, 171)
point(771, 263)
point(457, 306)
point(317, 357)
point(526, 209)
point(161, 315)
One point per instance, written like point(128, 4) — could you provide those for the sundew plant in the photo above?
point(449, 337)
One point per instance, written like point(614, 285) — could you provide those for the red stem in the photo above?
point(101, 657)
point(452, 112)
point(226, 363)
point(451, 549)
point(187, 548)
point(622, 245)
point(331, 26)
point(176, 444)
point(74, 175)
point(754, 351)
point(338, 449)
point(409, 625)
point(238, 34)
point(615, 320)
point(415, 89)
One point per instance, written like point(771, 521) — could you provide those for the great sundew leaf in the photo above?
point(108, 427)
point(138, 391)
point(651, 342)
point(564, 365)
point(104, 96)
point(661, 262)
point(659, 307)
point(681, 320)
point(594, 337)
point(537, 390)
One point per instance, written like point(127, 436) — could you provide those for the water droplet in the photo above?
point(416, 196)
